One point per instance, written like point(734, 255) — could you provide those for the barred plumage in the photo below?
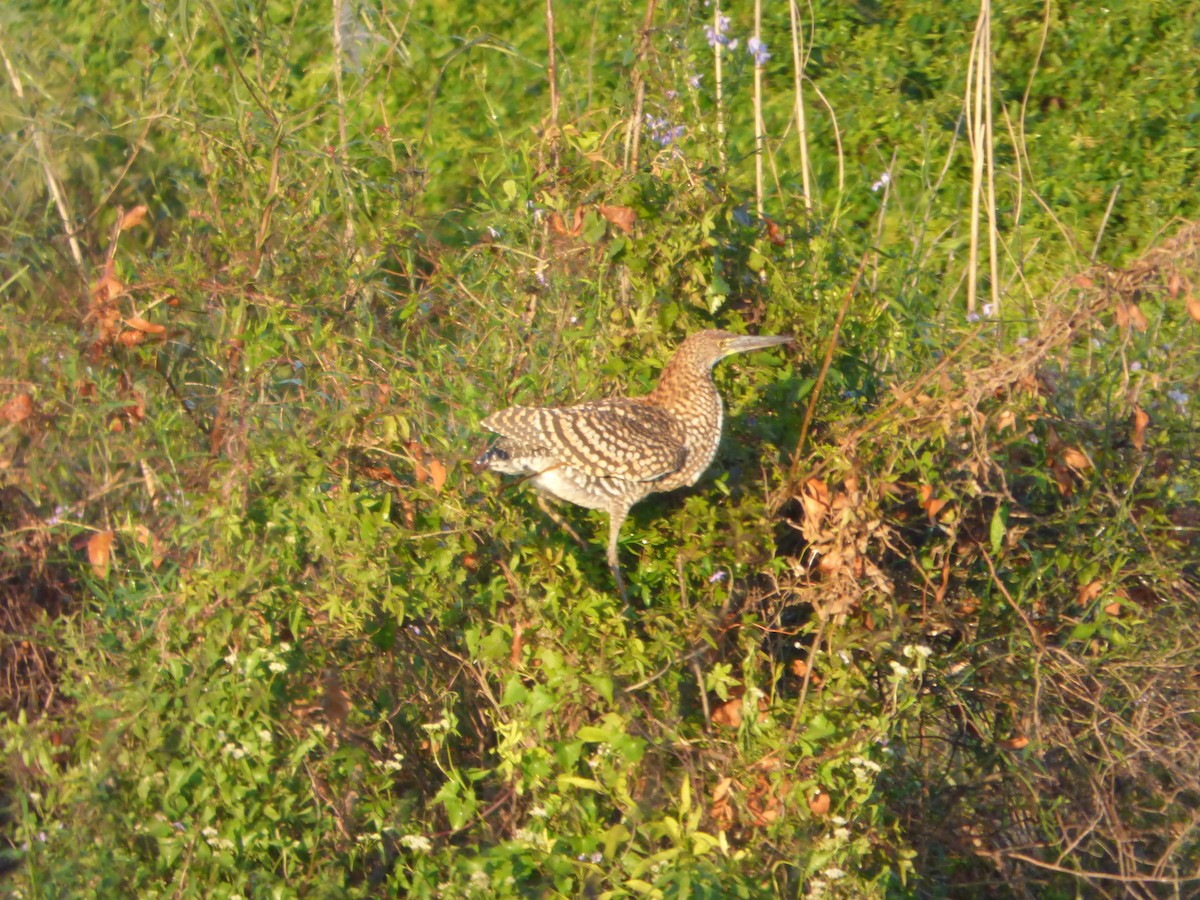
point(609, 454)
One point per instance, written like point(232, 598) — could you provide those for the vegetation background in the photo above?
point(925, 629)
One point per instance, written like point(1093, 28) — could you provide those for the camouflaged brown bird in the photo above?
point(609, 454)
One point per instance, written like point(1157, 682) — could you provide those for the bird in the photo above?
point(609, 454)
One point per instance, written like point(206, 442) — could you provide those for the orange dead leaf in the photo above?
point(437, 475)
point(729, 713)
point(559, 227)
point(134, 217)
point(1174, 284)
point(931, 504)
point(819, 805)
point(1017, 742)
point(18, 409)
point(774, 234)
point(814, 497)
point(1141, 419)
point(1121, 313)
point(1089, 592)
point(518, 643)
point(1193, 306)
point(148, 539)
point(131, 338)
point(1137, 318)
point(621, 216)
point(1006, 419)
point(1062, 477)
point(1082, 281)
point(1076, 459)
point(800, 669)
point(1113, 608)
point(99, 550)
point(142, 325)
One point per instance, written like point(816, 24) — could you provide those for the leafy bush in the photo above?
point(922, 630)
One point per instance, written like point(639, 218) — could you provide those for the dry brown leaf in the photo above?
point(1017, 742)
point(131, 338)
point(1114, 608)
point(1053, 442)
point(1137, 318)
point(99, 550)
point(1089, 592)
point(18, 409)
point(134, 217)
point(774, 233)
point(559, 227)
point(437, 475)
point(1082, 281)
point(819, 805)
point(1121, 313)
point(142, 325)
point(148, 539)
point(1076, 459)
point(728, 713)
point(1193, 306)
point(518, 644)
point(814, 497)
point(931, 504)
point(1174, 284)
point(800, 669)
point(1141, 419)
point(621, 216)
point(1006, 419)
point(1062, 477)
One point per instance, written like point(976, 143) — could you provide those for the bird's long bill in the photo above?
point(744, 344)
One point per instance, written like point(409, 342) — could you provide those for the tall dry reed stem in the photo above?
point(760, 134)
point(978, 103)
point(633, 136)
point(799, 61)
point(43, 152)
point(719, 87)
point(339, 50)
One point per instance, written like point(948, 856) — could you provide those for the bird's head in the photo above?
point(710, 347)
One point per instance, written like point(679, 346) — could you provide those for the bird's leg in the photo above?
point(559, 520)
point(616, 518)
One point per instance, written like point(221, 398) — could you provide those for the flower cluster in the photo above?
point(758, 50)
point(718, 35)
point(663, 132)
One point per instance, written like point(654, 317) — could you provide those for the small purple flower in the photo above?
point(1179, 398)
point(718, 35)
point(884, 180)
point(1135, 366)
point(663, 132)
point(694, 81)
point(719, 575)
point(758, 50)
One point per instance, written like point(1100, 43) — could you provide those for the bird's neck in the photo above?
point(686, 390)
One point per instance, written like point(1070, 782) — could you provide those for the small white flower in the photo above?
point(899, 670)
point(833, 873)
point(264, 735)
point(416, 842)
point(277, 667)
point(842, 834)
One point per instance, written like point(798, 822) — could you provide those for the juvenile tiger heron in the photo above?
point(609, 454)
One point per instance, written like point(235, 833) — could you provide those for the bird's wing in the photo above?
point(607, 438)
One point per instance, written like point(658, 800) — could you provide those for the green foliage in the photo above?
point(267, 634)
